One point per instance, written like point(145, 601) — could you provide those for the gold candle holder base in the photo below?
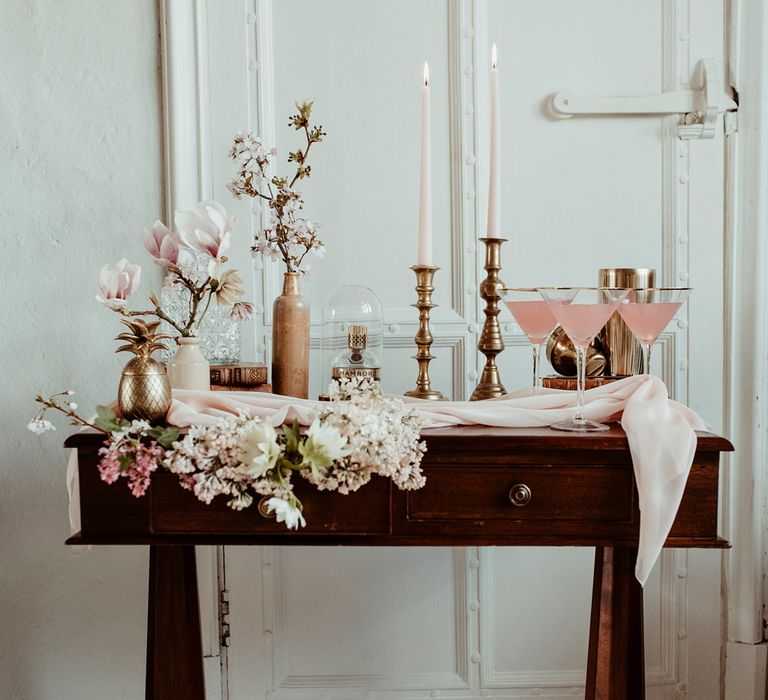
point(491, 343)
point(424, 288)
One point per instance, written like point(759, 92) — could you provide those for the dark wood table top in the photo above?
point(454, 436)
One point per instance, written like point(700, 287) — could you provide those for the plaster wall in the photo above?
point(80, 147)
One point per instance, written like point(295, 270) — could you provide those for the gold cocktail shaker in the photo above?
point(562, 355)
point(625, 356)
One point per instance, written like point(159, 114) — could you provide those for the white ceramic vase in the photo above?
point(188, 369)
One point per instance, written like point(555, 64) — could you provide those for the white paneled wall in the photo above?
point(578, 195)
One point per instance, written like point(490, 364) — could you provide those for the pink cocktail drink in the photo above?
point(534, 318)
point(647, 313)
point(582, 312)
point(582, 322)
point(647, 321)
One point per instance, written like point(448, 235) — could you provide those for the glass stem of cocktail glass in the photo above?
point(581, 375)
point(536, 348)
point(646, 357)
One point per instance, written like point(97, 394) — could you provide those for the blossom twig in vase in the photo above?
point(289, 236)
point(203, 232)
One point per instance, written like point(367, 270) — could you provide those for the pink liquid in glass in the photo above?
point(582, 322)
point(646, 321)
point(534, 318)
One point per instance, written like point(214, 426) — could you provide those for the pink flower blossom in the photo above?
point(241, 311)
point(135, 463)
point(206, 228)
point(145, 463)
point(117, 283)
point(187, 481)
point(109, 466)
point(164, 247)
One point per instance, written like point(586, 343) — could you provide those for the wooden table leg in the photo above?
point(174, 646)
point(616, 661)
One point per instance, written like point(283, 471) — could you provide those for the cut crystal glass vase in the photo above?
point(219, 334)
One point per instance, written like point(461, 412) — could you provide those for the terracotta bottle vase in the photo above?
point(290, 340)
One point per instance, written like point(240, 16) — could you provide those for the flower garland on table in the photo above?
point(358, 434)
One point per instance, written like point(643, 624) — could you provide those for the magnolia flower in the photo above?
point(39, 425)
point(260, 450)
point(324, 445)
point(117, 283)
point(242, 311)
point(230, 289)
point(162, 245)
point(286, 512)
point(205, 228)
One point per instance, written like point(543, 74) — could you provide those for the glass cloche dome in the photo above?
point(352, 334)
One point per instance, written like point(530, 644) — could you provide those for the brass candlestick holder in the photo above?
point(424, 288)
point(491, 343)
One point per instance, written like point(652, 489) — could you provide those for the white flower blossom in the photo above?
point(286, 512)
point(260, 450)
point(324, 445)
point(39, 425)
point(240, 501)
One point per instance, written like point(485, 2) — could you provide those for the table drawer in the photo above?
point(525, 493)
point(176, 511)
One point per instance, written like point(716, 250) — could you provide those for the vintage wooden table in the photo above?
point(485, 486)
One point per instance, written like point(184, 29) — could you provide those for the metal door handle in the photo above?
point(700, 107)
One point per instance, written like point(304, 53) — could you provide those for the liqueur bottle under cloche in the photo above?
point(356, 360)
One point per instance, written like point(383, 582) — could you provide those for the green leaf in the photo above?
point(164, 436)
point(105, 413)
point(125, 462)
point(107, 421)
point(285, 463)
point(292, 434)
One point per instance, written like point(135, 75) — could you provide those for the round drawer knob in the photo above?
point(262, 508)
point(520, 495)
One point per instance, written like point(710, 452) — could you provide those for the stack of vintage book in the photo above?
point(569, 383)
point(244, 376)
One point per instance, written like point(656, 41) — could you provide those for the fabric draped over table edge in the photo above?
point(660, 433)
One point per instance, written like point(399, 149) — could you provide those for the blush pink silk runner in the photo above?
point(660, 432)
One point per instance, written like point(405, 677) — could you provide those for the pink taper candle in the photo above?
point(493, 229)
point(425, 185)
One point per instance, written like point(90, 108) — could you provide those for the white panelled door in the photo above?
point(592, 191)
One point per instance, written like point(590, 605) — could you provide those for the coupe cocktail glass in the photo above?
point(582, 312)
point(534, 317)
point(648, 311)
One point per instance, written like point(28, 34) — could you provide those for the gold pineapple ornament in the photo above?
point(144, 392)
